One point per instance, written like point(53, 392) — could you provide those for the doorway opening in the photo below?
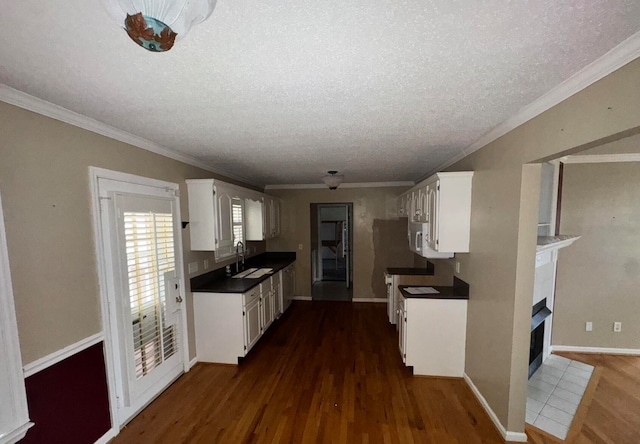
point(332, 251)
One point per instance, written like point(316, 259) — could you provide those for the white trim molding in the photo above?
point(310, 186)
point(47, 361)
point(14, 422)
point(193, 362)
point(378, 300)
point(602, 158)
point(104, 439)
point(506, 434)
point(30, 103)
point(616, 58)
point(302, 298)
point(602, 350)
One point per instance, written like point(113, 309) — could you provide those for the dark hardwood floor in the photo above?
point(327, 372)
point(610, 409)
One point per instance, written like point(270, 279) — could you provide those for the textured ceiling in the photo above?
point(278, 92)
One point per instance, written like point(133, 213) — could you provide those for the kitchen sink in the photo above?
point(259, 273)
point(253, 273)
point(244, 273)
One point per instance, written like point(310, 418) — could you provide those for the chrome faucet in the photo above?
point(237, 245)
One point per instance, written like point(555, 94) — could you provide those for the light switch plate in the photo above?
point(206, 264)
point(589, 326)
point(193, 267)
point(300, 247)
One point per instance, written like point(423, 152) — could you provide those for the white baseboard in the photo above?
point(301, 298)
point(380, 300)
point(507, 435)
point(603, 350)
point(193, 362)
point(47, 361)
point(112, 433)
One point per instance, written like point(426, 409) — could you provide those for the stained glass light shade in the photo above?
point(157, 24)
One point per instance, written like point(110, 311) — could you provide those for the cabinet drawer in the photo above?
point(251, 296)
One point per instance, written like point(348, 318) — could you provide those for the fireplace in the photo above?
point(539, 313)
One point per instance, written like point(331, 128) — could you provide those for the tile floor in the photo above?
point(554, 393)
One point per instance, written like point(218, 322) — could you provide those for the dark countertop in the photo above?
point(459, 290)
point(216, 281)
point(412, 271)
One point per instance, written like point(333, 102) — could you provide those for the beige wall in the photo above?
point(598, 277)
point(378, 240)
point(500, 265)
point(44, 181)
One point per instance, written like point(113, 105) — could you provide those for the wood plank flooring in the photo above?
point(327, 372)
point(610, 409)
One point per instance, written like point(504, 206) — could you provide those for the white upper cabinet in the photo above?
point(262, 218)
point(443, 202)
point(271, 217)
point(255, 228)
point(449, 211)
point(211, 216)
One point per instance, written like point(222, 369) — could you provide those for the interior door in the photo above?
point(140, 227)
point(347, 244)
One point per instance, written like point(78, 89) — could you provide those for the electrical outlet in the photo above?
point(589, 326)
point(457, 267)
point(193, 267)
point(617, 327)
point(206, 264)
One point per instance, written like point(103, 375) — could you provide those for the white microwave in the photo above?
point(419, 242)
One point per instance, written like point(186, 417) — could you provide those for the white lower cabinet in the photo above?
point(432, 335)
point(228, 325)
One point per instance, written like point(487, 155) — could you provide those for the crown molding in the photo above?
point(616, 58)
point(39, 106)
point(310, 186)
point(601, 158)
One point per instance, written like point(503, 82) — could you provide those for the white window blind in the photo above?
point(237, 216)
point(150, 255)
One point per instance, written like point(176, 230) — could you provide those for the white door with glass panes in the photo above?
point(140, 229)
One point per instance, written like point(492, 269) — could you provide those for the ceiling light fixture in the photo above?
point(332, 180)
point(156, 24)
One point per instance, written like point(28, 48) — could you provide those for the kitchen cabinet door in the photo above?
point(432, 201)
point(424, 204)
point(277, 296)
point(252, 324)
point(275, 218)
point(224, 222)
point(400, 206)
point(402, 332)
point(266, 296)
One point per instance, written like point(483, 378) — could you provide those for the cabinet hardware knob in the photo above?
point(179, 299)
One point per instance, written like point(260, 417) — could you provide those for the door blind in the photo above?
point(150, 255)
point(236, 213)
